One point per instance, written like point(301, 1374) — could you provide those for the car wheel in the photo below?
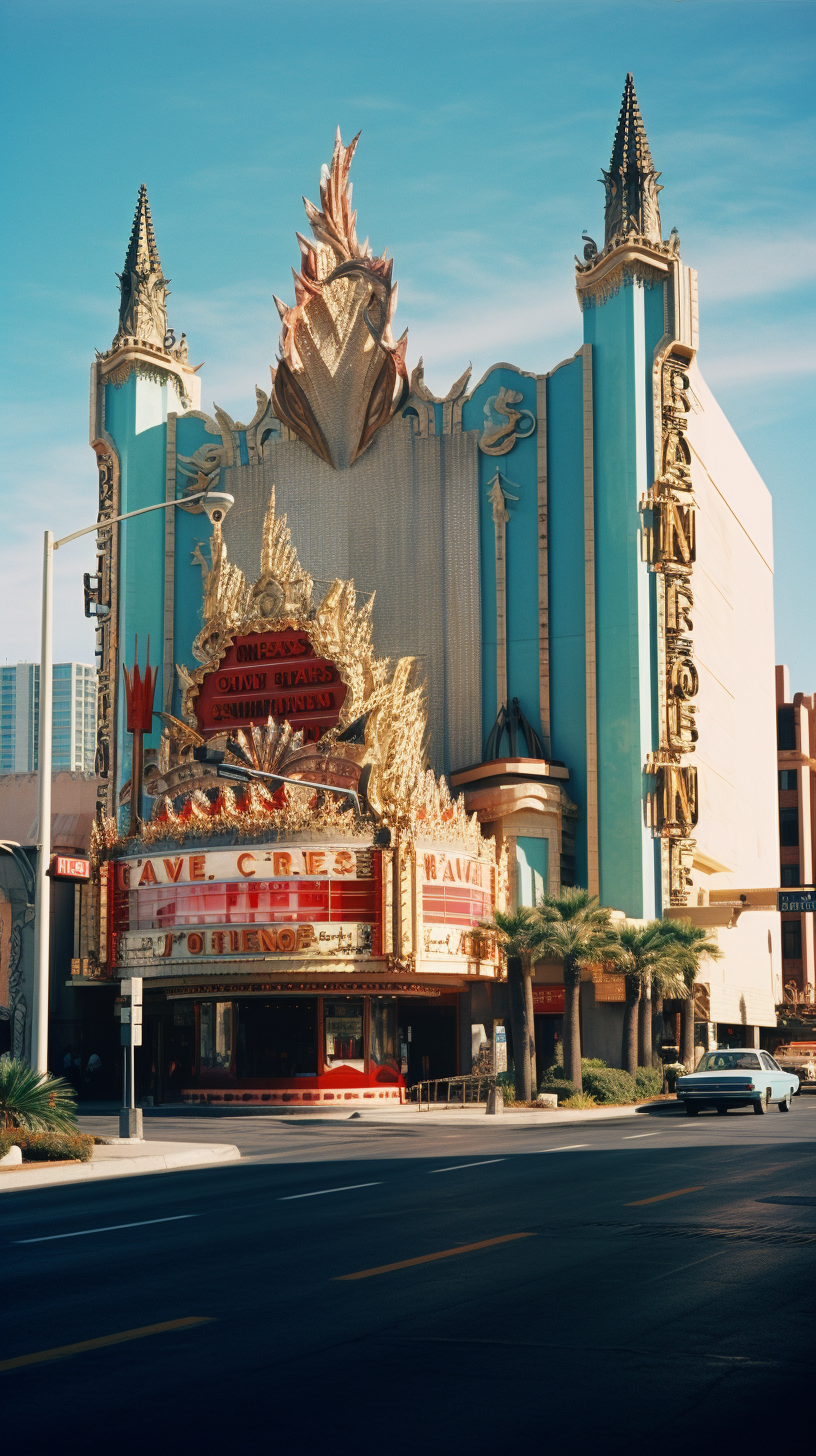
point(691, 1111)
point(785, 1104)
point(760, 1104)
point(721, 1109)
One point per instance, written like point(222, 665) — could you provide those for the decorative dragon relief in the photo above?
point(341, 374)
point(501, 426)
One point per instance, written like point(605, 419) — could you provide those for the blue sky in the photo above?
point(485, 126)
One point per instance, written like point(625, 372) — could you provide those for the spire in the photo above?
point(142, 285)
point(631, 182)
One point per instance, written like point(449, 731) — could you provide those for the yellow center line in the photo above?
point(429, 1258)
point(639, 1202)
point(60, 1352)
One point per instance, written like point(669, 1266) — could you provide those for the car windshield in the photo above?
point(729, 1062)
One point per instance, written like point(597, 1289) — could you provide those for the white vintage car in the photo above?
point(734, 1078)
point(798, 1057)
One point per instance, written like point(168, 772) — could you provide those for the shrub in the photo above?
point(591, 1062)
point(649, 1081)
point(609, 1084)
point(507, 1082)
point(34, 1100)
point(561, 1087)
point(673, 1070)
point(42, 1147)
point(580, 1099)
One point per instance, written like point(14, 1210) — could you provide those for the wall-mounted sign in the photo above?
point(271, 674)
point(65, 867)
point(792, 902)
point(258, 942)
point(548, 1000)
point(609, 988)
point(261, 862)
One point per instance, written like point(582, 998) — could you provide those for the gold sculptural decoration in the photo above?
point(386, 702)
point(341, 374)
point(671, 550)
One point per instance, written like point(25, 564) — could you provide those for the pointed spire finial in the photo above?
point(142, 285)
point(631, 182)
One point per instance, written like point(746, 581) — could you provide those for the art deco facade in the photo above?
point(581, 560)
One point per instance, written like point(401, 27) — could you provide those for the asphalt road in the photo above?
point(648, 1281)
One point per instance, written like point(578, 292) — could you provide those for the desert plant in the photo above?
point(579, 1099)
point(609, 1084)
point(517, 936)
point(649, 1081)
point(575, 930)
point(34, 1100)
point(37, 1147)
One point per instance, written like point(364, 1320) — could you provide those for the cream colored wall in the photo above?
point(736, 751)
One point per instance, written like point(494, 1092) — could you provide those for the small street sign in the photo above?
point(66, 867)
point(792, 902)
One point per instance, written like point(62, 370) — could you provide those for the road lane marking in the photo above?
point(567, 1148)
point(108, 1228)
point(660, 1197)
point(680, 1267)
point(60, 1352)
point(429, 1258)
point(319, 1192)
point(630, 1136)
point(457, 1167)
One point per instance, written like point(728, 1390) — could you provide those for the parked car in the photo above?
point(734, 1078)
point(798, 1057)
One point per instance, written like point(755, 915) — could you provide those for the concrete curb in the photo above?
point(184, 1155)
point(509, 1120)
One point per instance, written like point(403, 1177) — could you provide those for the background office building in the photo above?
point(796, 761)
point(74, 717)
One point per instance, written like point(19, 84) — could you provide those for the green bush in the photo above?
point(42, 1147)
point(560, 1086)
point(580, 1099)
point(609, 1084)
point(33, 1099)
point(649, 1081)
point(591, 1062)
point(507, 1082)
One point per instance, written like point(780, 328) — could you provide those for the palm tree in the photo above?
point(517, 935)
point(575, 930)
point(694, 944)
point(34, 1100)
point(646, 955)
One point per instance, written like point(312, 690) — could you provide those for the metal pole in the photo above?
point(124, 1077)
point(132, 1059)
point(42, 897)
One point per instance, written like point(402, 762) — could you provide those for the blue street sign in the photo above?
point(793, 901)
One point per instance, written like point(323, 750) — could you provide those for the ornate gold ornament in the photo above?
point(670, 548)
point(501, 426)
point(341, 374)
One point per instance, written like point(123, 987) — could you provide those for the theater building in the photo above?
point(580, 557)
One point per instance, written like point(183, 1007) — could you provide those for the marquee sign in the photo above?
point(271, 675)
point(255, 942)
point(260, 862)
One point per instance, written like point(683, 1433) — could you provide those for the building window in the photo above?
point(792, 940)
point(216, 1036)
point(788, 828)
point(785, 728)
point(384, 1033)
point(343, 1030)
point(790, 876)
point(788, 780)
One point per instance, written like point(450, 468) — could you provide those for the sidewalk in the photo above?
point(509, 1119)
point(122, 1161)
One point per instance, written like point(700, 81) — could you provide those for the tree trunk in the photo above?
point(687, 1033)
point(521, 1030)
point(657, 1028)
point(572, 1025)
point(630, 1025)
point(645, 1030)
point(527, 972)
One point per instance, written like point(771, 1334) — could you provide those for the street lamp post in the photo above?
point(217, 505)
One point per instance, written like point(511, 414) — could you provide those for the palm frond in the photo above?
point(34, 1100)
